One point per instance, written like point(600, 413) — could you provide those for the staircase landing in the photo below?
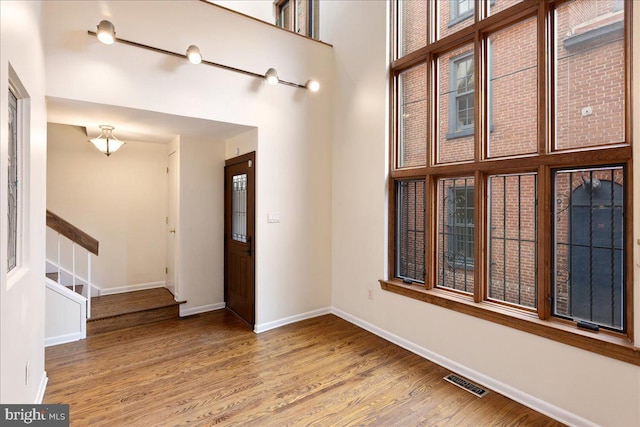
point(119, 311)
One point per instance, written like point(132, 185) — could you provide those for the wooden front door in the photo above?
point(239, 238)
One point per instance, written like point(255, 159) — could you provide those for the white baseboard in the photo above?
point(63, 339)
point(42, 388)
point(262, 327)
point(130, 288)
point(512, 393)
point(201, 309)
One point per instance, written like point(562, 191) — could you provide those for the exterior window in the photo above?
point(460, 10)
point(299, 16)
point(12, 182)
point(461, 97)
point(509, 166)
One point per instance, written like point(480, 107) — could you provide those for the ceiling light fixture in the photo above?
point(272, 76)
point(194, 55)
point(106, 32)
point(313, 85)
point(106, 142)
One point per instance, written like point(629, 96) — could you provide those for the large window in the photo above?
point(510, 162)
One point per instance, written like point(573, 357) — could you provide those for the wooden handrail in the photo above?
point(72, 232)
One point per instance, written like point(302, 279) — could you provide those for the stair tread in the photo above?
point(131, 302)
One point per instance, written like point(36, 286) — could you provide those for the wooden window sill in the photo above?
point(605, 343)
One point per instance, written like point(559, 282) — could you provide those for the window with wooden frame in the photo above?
point(299, 16)
point(12, 183)
point(526, 219)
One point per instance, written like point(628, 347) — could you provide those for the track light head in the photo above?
point(106, 32)
point(194, 55)
point(272, 76)
point(313, 85)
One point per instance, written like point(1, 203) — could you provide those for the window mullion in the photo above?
point(480, 237)
point(545, 239)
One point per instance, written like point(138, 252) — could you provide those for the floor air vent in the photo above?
point(466, 385)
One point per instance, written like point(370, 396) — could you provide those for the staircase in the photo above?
point(119, 311)
point(71, 312)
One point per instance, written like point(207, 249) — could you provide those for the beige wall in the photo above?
point(294, 132)
point(22, 292)
point(575, 385)
point(120, 200)
point(200, 231)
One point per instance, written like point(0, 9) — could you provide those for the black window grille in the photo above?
point(410, 230)
point(589, 246)
point(512, 239)
point(456, 240)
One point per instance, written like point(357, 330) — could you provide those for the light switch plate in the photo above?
point(273, 218)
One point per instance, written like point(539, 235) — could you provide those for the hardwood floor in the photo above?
point(210, 369)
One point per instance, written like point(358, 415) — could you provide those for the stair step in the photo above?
point(119, 311)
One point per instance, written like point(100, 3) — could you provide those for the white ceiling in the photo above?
point(136, 125)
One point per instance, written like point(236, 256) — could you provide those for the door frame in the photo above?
point(249, 158)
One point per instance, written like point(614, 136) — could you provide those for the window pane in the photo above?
point(286, 16)
point(412, 117)
point(513, 92)
point(410, 226)
point(412, 26)
point(589, 248)
point(456, 234)
point(456, 86)
point(589, 74)
point(512, 239)
point(496, 6)
point(454, 15)
point(12, 183)
point(239, 208)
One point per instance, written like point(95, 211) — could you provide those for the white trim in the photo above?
point(95, 291)
point(42, 388)
point(64, 291)
point(201, 309)
point(512, 393)
point(63, 339)
point(75, 297)
point(129, 288)
point(262, 327)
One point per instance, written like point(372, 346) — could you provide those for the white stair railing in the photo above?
point(80, 240)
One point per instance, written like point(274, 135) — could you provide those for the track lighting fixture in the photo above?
point(194, 55)
point(313, 85)
point(272, 76)
point(106, 142)
point(106, 32)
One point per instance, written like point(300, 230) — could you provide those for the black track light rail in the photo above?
point(180, 55)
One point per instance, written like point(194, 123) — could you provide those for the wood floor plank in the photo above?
point(209, 369)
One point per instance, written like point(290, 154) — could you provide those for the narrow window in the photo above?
point(410, 223)
point(512, 239)
point(456, 234)
point(12, 183)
